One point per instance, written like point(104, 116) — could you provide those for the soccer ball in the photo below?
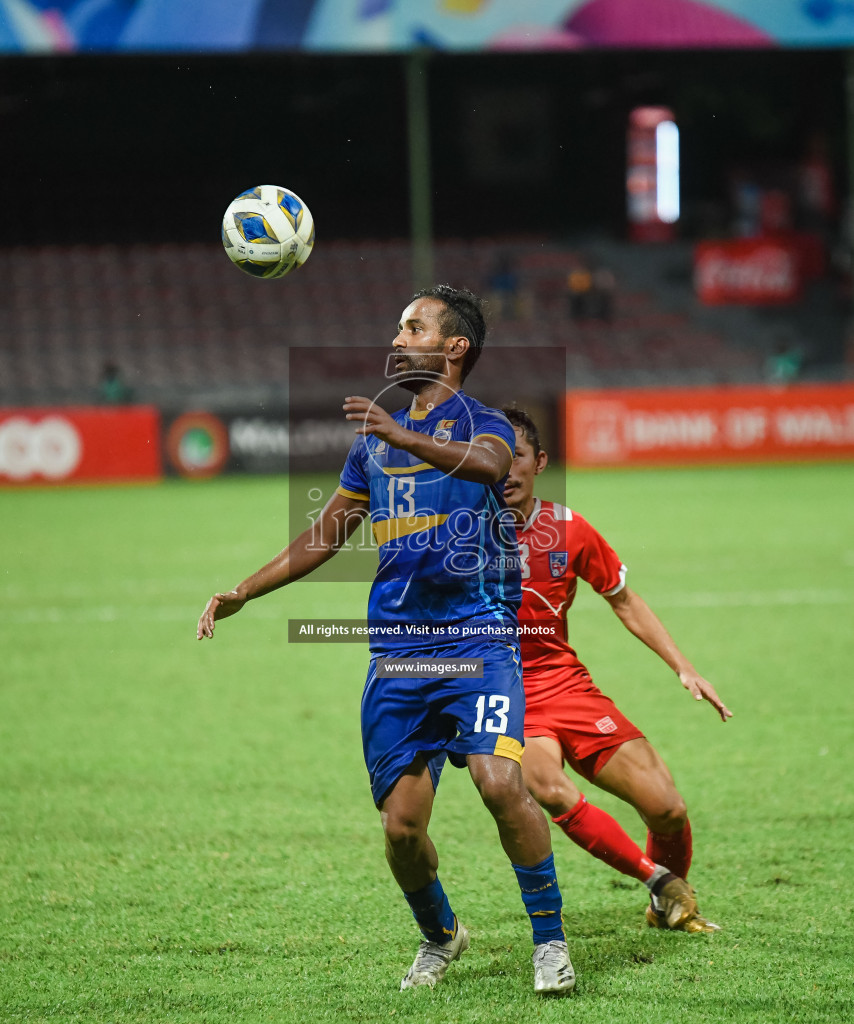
point(268, 231)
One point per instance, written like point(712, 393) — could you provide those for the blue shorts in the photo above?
point(441, 717)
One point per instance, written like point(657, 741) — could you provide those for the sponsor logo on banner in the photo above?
point(79, 443)
point(259, 437)
point(597, 429)
point(747, 271)
point(197, 444)
point(50, 448)
point(203, 444)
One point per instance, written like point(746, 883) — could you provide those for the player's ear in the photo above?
point(457, 345)
point(541, 461)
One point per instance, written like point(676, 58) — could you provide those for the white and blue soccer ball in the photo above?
point(268, 231)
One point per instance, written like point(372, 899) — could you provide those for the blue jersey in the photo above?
point(448, 561)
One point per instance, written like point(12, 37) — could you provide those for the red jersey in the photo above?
point(556, 548)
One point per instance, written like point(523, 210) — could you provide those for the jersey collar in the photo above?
point(444, 406)
point(535, 511)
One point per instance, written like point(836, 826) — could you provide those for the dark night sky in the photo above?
point(153, 148)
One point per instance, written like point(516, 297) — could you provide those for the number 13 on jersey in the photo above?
point(401, 496)
point(498, 706)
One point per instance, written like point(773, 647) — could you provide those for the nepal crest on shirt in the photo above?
point(558, 561)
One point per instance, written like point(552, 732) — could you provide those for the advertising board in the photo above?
point(763, 271)
point(200, 443)
point(82, 444)
point(683, 426)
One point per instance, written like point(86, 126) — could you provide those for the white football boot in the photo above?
point(553, 973)
point(432, 960)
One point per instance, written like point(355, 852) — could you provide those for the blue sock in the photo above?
point(541, 896)
point(432, 912)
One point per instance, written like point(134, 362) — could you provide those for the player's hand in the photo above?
point(702, 689)
point(374, 420)
point(220, 606)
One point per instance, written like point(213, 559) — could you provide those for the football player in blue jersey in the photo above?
point(445, 678)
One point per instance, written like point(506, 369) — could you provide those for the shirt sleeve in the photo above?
point(595, 560)
point(354, 481)
point(494, 424)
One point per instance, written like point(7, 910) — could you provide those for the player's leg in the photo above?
point(605, 747)
point(588, 826)
point(405, 812)
point(522, 828)
point(490, 715)
point(636, 773)
point(547, 782)
point(591, 731)
point(524, 834)
point(403, 784)
point(568, 718)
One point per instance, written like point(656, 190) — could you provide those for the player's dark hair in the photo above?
point(519, 418)
point(462, 317)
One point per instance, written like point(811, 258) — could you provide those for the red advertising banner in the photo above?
point(79, 445)
point(749, 271)
point(709, 425)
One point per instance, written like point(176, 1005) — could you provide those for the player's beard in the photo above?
point(419, 372)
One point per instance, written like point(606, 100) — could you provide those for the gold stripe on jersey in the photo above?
point(393, 529)
point(408, 469)
point(357, 495)
point(506, 746)
point(495, 437)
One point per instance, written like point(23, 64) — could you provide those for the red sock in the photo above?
point(598, 833)
point(673, 851)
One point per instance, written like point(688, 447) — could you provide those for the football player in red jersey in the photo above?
point(569, 720)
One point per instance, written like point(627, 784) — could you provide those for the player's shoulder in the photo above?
point(555, 511)
point(554, 519)
point(564, 514)
point(548, 521)
point(486, 421)
point(475, 406)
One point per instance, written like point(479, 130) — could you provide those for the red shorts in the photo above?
point(573, 711)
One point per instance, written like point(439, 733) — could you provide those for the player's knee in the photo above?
point(556, 798)
point(670, 816)
point(402, 833)
point(500, 793)
point(540, 790)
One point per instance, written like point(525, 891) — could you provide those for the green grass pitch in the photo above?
point(186, 830)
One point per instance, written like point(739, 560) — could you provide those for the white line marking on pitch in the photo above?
point(39, 615)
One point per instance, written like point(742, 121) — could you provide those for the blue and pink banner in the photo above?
point(329, 26)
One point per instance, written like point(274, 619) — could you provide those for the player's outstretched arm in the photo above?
point(481, 460)
point(311, 549)
point(637, 616)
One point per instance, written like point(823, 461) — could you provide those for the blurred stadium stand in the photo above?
point(182, 323)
